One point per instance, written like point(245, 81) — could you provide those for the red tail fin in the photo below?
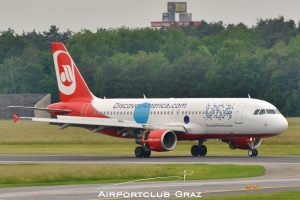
point(71, 85)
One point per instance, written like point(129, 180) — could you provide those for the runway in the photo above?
point(282, 173)
point(162, 159)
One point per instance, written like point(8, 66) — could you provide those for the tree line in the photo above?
point(214, 60)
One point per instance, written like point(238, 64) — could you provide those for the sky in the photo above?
point(75, 15)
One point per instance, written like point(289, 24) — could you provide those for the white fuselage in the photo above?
point(199, 115)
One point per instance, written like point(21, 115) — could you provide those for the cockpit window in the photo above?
point(262, 111)
point(271, 111)
point(256, 112)
point(277, 111)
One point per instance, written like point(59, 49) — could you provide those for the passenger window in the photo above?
point(262, 111)
point(256, 112)
point(270, 111)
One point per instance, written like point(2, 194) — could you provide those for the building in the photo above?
point(169, 17)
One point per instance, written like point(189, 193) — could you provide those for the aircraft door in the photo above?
point(175, 114)
point(239, 113)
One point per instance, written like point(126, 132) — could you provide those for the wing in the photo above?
point(98, 123)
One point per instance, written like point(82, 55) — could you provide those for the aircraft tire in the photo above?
point(252, 152)
point(147, 153)
point(202, 150)
point(139, 152)
point(195, 150)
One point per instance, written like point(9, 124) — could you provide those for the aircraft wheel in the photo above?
point(139, 152)
point(147, 153)
point(195, 150)
point(202, 150)
point(252, 152)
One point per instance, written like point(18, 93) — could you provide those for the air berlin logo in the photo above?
point(65, 74)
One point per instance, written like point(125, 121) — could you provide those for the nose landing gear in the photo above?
point(252, 152)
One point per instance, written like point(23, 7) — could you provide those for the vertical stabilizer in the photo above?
point(71, 85)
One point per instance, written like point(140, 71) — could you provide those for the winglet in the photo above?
point(16, 117)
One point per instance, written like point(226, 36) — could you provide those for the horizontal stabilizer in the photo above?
point(42, 109)
point(17, 118)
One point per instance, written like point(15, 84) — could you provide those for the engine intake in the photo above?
point(160, 140)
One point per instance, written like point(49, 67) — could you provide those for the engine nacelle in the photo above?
point(160, 140)
point(243, 143)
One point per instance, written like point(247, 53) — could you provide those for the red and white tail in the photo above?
point(71, 85)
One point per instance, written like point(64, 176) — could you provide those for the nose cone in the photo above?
point(282, 124)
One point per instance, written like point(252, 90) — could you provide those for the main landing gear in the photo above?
point(199, 150)
point(142, 152)
point(252, 152)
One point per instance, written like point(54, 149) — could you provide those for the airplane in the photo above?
point(157, 124)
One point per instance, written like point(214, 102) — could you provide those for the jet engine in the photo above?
point(159, 140)
point(243, 143)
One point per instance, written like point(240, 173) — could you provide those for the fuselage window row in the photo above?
point(151, 113)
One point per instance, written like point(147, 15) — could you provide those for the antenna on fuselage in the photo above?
point(249, 96)
point(144, 96)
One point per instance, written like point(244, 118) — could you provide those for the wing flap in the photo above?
point(89, 121)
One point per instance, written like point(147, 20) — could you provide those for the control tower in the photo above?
point(169, 18)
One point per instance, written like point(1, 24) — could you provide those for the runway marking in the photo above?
point(244, 189)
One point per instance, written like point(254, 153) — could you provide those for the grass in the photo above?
point(28, 137)
point(59, 174)
point(274, 196)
